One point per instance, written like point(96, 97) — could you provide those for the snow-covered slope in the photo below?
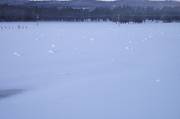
point(89, 70)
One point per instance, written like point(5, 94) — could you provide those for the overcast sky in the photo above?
point(100, 0)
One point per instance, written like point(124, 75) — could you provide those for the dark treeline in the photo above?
point(119, 14)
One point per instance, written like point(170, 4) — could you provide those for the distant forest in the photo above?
point(121, 14)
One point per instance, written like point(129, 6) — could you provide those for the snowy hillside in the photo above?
point(89, 70)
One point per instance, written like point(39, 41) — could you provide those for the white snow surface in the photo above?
point(90, 70)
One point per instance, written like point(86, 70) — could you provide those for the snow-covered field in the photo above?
point(54, 70)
